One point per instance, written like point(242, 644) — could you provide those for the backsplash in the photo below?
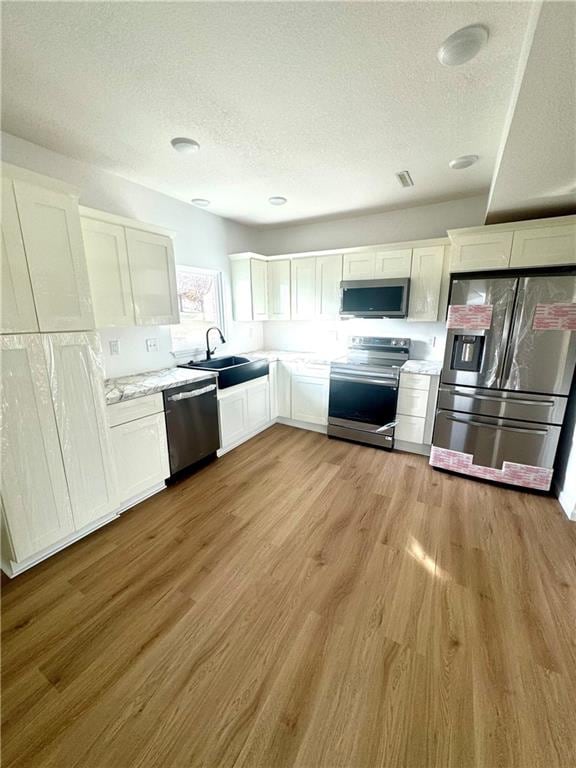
point(134, 355)
point(428, 339)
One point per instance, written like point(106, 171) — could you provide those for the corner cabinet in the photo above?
point(249, 274)
point(44, 267)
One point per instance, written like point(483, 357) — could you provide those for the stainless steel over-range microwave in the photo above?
point(374, 298)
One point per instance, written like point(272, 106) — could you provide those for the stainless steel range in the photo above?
point(364, 390)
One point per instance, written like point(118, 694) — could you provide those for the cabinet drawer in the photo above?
point(414, 381)
point(410, 429)
point(412, 402)
point(128, 410)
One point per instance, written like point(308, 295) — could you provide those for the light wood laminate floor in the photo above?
point(301, 602)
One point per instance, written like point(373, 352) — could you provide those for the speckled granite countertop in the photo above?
point(429, 367)
point(140, 384)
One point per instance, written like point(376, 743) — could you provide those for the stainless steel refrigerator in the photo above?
point(508, 369)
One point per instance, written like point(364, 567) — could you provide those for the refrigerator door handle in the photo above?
point(498, 426)
point(513, 338)
point(518, 400)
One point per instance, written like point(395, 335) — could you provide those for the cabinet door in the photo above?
point(34, 490)
point(279, 290)
point(410, 429)
point(425, 283)
point(259, 280)
point(141, 455)
point(412, 402)
point(233, 416)
point(153, 276)
point(328, 279)
point(481, 251)
point(258, 404)
point(241, 290)
point(303, 288)
point(310, 399)
point(544, 246)
point(74, 363)
point(109, 273)
point(284, 391)
point(273, 387)
point(393, 263)
point(52, 236)
point(18, 311)
point(358, 266)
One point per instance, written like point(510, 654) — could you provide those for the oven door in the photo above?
point(364, 401)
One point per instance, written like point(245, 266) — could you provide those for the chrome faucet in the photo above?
point(210, 352)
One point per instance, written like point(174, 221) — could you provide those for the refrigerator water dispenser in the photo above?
point(467, 352)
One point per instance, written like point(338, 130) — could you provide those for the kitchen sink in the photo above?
point(231, 370)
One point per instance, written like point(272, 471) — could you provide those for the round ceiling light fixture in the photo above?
point(463, 45)
point(277, 200)
point(465, 161)
point(185, 146)
point(201, 202)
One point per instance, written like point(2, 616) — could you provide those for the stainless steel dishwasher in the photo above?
point(191, 423)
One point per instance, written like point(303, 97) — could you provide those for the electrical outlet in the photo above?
point(114, 346)
point(152, 345)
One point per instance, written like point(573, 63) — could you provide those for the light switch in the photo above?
point(152, 345)
point(114, 346)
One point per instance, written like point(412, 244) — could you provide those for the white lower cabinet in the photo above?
point(58, 478)
point(243, 410)
point(37, 512)
point(415, 410)
point(310, 398)
point(284, 391)
point(141, 456)
point(77, 385)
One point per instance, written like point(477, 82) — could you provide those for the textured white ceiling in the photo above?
point(319, 102)
point(537, 173)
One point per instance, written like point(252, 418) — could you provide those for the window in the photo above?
point(200, 304)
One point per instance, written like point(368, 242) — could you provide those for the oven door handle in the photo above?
point(386, 426)
point(383, 382)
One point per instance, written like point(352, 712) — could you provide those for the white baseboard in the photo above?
point(322, 428)
point(12, 568)
point(126, 505)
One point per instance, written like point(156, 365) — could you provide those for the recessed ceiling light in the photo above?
point(277, 200)
point(465, 161)
point(186, 146)
point(201, 202)
point(463, 45)
point(405, 179)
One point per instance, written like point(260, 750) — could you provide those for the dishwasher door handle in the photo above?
point(192, 393)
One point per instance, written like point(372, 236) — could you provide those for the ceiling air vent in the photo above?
point(405, 179)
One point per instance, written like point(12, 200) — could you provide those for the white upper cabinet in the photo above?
point(480, 250)
point(50, 225)
point(151, 260)
point(358, 266)
point(18, 312)
point(279, 290)
point(392, 264)
point(303, 291)
point(259, 280)
point(249, 287)
point(543, 246)
point(109, 273)
point(34, 490)
point(77, 386)
point(328, 279)
point(425, 283)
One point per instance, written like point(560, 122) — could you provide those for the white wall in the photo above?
point(200, 239)
point(417, 223)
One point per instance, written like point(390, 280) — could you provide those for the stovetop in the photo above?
point(382, 353)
